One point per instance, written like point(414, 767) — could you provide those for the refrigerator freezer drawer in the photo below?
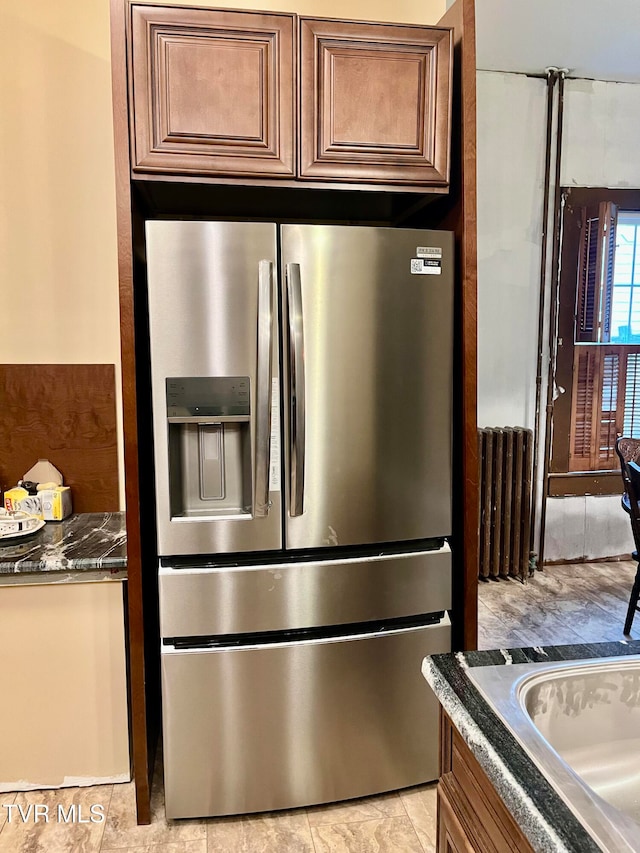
point(249, 599)
point(257, 728)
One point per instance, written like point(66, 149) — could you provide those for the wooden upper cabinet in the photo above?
point(213, 91)
point(375, 102)
point(224, 93)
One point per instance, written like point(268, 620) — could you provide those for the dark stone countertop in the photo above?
point(543, 816)
point(94, 543)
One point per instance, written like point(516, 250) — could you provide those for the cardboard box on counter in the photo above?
point(52, 501)
point(56, 503)
point(50, 504)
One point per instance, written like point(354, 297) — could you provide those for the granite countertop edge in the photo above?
point(82, 543)
point(534, 825)
point(65, 565)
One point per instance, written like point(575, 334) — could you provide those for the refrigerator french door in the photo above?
point(301, 385)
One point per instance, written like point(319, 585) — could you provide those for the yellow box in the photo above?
point(19, 499)
point(56, 503)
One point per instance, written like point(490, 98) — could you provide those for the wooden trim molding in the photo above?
point(585, 483)
point(142, 761)
point(461, 218)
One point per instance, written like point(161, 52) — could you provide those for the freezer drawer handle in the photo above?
point(296, 373)
point(261, 501)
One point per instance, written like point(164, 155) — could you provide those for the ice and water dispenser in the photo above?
point(208, 420)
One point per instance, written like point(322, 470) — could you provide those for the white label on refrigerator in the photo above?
point(428, 252)
point(274, 466)
point(425, 266)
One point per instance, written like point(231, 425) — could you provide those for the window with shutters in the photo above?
point(598, 366)
point(624, 310)
point(595, 273)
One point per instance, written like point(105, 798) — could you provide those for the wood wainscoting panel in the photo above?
point(375, 102)
point(65, 413)
point(213, 91)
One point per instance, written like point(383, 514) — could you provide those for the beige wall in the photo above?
point(57, 219)
point(64, 718)
point(57, 202)
point(57, 234)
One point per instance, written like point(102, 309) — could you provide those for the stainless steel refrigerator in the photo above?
point(301, 385)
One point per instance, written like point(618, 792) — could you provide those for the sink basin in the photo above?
point(579, 722)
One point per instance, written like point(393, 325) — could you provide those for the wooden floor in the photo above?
point(577, 603)
point(564, 604)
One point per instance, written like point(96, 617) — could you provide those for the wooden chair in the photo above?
point(628, 450)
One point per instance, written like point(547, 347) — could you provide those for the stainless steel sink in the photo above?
point(580, 724)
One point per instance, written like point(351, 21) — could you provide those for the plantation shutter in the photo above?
point(631, 423)
point(585, 380)
point(595, 273)
point(605, 403)
point(611, 413)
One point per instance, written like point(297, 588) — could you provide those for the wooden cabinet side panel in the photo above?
point(451, 837)
point(494, 828)
point(375, 102)
point(459, 214)
point(482, 817)
point(213, 92)
point(138, 708)
point(446, 734)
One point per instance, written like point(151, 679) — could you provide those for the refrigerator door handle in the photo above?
point(261, 501)
point(296, 374)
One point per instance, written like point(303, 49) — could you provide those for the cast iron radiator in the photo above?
point(505, 461)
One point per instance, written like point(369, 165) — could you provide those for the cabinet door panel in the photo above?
point(451, 836)
point(213, 91)
point(375, 102)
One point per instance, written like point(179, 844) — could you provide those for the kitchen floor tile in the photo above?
point(169, 847)
point(368, 808)
point(5, 800)
point(277, 832)
point(388, 835)
point(47, 830)
point(121, 829)
point(420, 804)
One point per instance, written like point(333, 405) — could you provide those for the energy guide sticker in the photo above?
point(426, 266)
